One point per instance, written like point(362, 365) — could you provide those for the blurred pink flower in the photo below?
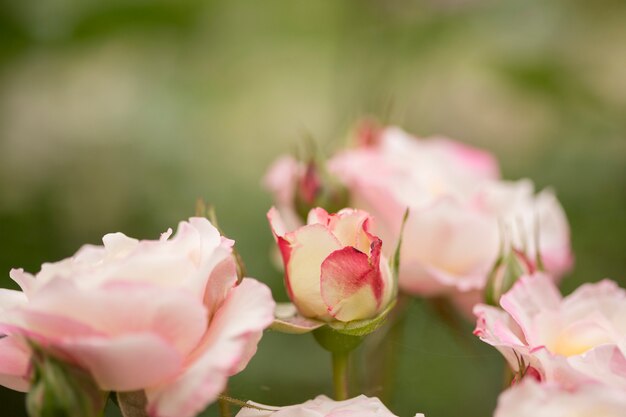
point(459, 209)
point(334, 269)
point(533, 399)
point(165, 316)
point(572, 340)
point(323, 406)
point(281, 180)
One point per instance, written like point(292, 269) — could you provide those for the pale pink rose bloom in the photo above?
point(436, 179)
point(534, 399)
point(164, 316)
point(334, 268)
point(572, 340)
point(323, 406)
point(457, 205)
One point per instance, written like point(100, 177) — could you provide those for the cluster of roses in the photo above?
point(165, 323)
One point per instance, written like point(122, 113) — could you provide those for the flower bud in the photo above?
point(334, 267)
point(508, 268)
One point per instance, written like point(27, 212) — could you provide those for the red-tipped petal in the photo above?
point(351, 283)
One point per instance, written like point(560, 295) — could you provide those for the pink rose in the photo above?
point(163, 316)
point(572, 340)
point(323, 406)
point(457, 206)
point(533, 399)
point(334, 269)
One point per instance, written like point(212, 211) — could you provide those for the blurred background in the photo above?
point(118, 115)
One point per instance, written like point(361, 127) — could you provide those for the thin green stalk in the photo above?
point(340, 375)
point(224, 404)
point(242, 403)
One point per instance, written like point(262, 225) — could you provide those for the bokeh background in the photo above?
point(117, 115)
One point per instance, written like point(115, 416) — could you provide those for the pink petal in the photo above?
point(496, 328)
point(481, 164)
point(221, 281)
point(318, 215)
point(125, 363)
point(446, 246)
point(10, 299)
point(530, 295)
point(25, 280)
point(276, 223)
point(232, 337)
point(606, 364)
point(14, 364)
point(351, 283)
point(281, 178)
point(174, 315)
point(351, 226)
point(45, 328)
point(309, 247)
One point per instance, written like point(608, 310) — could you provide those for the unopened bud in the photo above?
point(506, 271)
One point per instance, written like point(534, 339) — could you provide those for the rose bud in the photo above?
point(334, 267)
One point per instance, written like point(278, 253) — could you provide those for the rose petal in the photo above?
point(530, 295)
point(227, 347)
point(351, 283)
point(309, 245)
point(125, 363)
point(14, 364)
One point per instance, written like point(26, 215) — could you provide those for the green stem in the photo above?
point(242, 403)
point(340, 375)
point(224, 404)
point(388, 351)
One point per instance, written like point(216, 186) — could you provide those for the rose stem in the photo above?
point(340, 375)
point(224, 404)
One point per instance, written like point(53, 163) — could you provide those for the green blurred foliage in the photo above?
point(117, 115)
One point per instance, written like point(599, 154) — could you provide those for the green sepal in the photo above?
point(336, 342)
point(394, 262)
point(287, 319)
point(362, 327)
point(60, 389)
point(506, 271)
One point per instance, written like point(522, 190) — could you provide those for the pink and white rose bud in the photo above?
point(323, 406)
point(334, 267)
point(164, 316)
point(572, 340)
point(533, 399)
point(457, 205)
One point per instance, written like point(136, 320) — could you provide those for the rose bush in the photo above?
point(571, 340)
point(166, 316)
point(334, 266)
point(323, 406)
